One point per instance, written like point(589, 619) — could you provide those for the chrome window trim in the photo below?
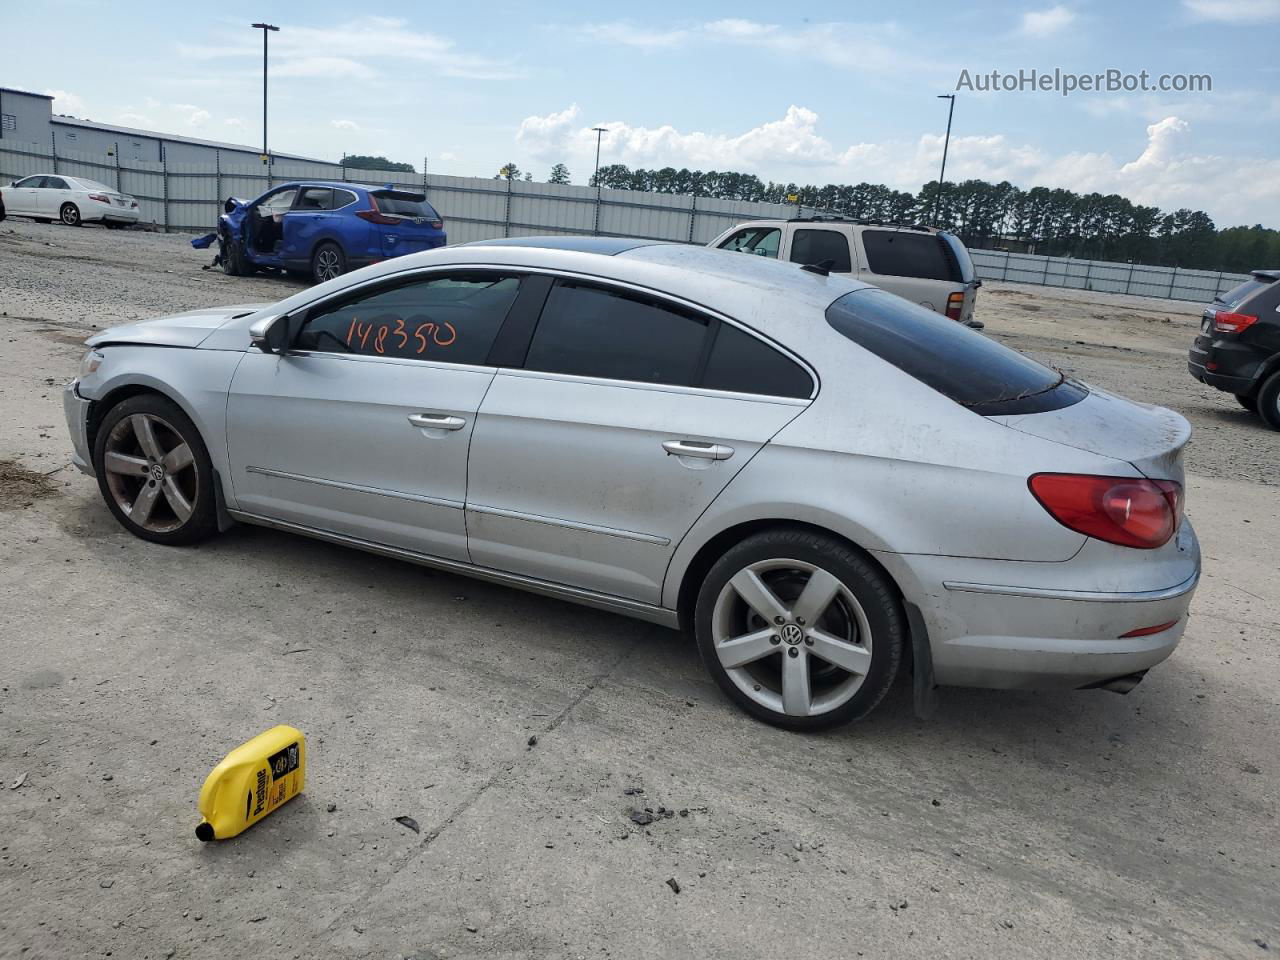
point(356, 487)
point(592, 598)
point(426, 272)
point(569, 524)
point(653, 387)
point(397, 361)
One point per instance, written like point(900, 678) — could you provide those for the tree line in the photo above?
point(985, 215)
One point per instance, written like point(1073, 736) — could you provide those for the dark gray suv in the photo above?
point(1238, 349)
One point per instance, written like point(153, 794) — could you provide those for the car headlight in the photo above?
point(90, 364)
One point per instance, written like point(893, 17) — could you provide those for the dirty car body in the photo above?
point(323, 229)
point(824, 482)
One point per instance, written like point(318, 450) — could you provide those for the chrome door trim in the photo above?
point(591, 598)
point(356, 487)
point(1094, 596)
point(570, 524)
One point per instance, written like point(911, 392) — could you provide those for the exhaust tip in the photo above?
point(1118, 684)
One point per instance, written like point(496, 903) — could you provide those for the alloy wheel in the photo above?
point(327, 266)
point(792, 637)
point(151, 472)
point(70, 215)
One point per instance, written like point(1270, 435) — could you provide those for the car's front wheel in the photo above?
point(328, 262)
point(70, 215)
point(229, 257)
point(154, 471)
point(799, 629)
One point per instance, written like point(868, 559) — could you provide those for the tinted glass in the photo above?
point(55, 183)
point(453, 319)
point(901, 254)
point(343, 198)
point(762, 241)
point(30, 182)
point(315, 198)
point(972, 370)
point(593, 332)
point(398, 204)
point(814, 246)
point(746, 364)
point(1238, 295)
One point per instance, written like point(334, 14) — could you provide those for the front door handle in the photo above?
point(436, 421)
point(696, 448)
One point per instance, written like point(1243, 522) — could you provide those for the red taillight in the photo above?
point(955, 306)
point(1233, 322)
point(1148, 631)
point(1129, 511)
point(437, 224)
point(101, 198)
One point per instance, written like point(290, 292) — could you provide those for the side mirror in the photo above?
point(275, 334)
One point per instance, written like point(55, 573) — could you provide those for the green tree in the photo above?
point(559, 174)
point(361, 162)
point(509, 171)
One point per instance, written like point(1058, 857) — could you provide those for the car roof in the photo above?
point(605, 246)
point(820, 219)
point(1270, 275)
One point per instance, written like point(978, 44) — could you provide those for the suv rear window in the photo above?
point(399, 203)
point(897, 253)
point(976, 372)
point(1238, 295)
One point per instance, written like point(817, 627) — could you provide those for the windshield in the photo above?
point(970, 368)
point(399, 203)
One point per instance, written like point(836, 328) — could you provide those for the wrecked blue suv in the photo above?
point(324, 229)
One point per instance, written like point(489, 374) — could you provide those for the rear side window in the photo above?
point(400, 203)
point(590, 331)
point(745, 364)
point(815, 246)
point(343, 198)
point(896, 253)
point(453, 319)
point(761, 241)
point(973, 370)
point(55, 183)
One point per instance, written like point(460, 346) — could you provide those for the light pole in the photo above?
point(266, 28)
point(951, 109)
point(599, 131)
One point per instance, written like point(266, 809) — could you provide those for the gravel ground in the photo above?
point(1010, 825)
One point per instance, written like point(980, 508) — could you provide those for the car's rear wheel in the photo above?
point(327, 262)
point(70, 215)
point(1269, 401)
point(154, 471)
point(799, 629)
point(1248, 400)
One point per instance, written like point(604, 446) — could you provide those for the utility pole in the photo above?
point(595, 227)
point(266, 29)
point(945, 145)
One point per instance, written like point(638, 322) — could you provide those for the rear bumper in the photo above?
point(1226, 364)
point(1029, 632)
point(112, 214)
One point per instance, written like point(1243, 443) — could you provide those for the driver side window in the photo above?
point(761, 241)
point(451, 318)
point(278, 203)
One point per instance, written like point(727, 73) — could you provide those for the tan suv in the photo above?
point(926, 266)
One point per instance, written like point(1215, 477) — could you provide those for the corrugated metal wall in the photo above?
point(187, 197)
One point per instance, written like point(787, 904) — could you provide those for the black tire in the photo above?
point(1249, 401)
point(70, 215)
point(196, 478)
point(873, 592)
point(1268, 398)
point(232, 262)
point(327, 262)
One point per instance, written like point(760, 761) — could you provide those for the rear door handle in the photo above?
point(695, 448)
point(436, 421)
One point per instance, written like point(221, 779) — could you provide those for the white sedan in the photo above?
point(73, 200)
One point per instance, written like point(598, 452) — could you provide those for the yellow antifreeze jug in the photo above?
point(254, 779)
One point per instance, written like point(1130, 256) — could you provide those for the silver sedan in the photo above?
point(826, 484)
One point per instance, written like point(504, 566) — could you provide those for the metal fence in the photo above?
point(1103, 276)
point(187, 197)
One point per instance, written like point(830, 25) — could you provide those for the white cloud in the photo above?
point(234, 122)
point(344, 125)
point(355, 49)
point(1045, 23)
point(64, 102)
point(628, 34)
point(1167, 172)
point(1234, 11)
point(193, 116)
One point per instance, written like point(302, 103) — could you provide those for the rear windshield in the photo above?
point(973, 370)
point(898, 253)
point(1238, 295)
point(95, 185)
point(399, 203)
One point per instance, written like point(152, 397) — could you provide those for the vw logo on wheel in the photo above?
point(157, 472)
point(792, 634)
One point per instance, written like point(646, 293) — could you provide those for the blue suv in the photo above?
point(324, 229)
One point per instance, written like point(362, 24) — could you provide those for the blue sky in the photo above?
point(810, 92)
